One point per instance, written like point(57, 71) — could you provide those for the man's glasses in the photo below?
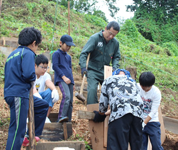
point(45, 68)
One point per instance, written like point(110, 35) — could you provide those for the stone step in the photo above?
point(11, 42)
point(50, 145)
point(6, 50)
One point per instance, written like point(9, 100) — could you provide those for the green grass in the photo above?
point(135, 49)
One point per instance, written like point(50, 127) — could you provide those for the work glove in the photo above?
point(37, 95)
point(84, 71)
point(98, 117)
point(143, 125)
point(54, 95)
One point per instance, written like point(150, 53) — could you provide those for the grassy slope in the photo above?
point(136, 51)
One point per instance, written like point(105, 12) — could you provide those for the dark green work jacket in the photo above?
point(101, 53)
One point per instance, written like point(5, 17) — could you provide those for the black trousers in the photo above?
point(127, 129)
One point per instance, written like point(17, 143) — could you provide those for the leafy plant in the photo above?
point(172, 98)
point(87, 146)
point(172, 47)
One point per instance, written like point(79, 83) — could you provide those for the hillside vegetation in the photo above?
point(51, 19)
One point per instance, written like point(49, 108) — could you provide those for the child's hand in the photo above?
point(54, 95)
point(74, 88)
point(143, 125)
point(66, 80)
point(108, 112)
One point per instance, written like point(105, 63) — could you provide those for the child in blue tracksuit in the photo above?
point(63, 77)
point(19, 74)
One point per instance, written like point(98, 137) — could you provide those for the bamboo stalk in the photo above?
point(68, 17)
point(0, 6)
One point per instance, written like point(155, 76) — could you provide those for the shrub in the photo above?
point(172, 47)
point(130, 29)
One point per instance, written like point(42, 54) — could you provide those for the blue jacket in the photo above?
point(62, 65)
point(19, 72)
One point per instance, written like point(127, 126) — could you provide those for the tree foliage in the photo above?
point(90, 7)
point(65, 3)
point(163, 10)
point(100, 14)
point(157, 20)
point(112, 7)
point(84, 6)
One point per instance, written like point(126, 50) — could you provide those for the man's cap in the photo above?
point(67, 39)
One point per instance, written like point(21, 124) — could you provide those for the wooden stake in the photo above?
point(107, 73)
point(31, 125)
point(96, 130)
point(68, 17)
point(65, 131)
point(4, 41)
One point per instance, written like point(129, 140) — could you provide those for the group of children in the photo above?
point(130, 103)
point(23, 68)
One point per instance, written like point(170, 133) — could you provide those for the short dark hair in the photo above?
point(41, 59)
point(113, 24)
point(28, 35)
point(147, 79)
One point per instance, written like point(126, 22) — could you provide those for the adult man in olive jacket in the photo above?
point(103, 49)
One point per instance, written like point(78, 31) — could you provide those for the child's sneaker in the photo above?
point(26, 141)
point(37, 139)
point(63, 119)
